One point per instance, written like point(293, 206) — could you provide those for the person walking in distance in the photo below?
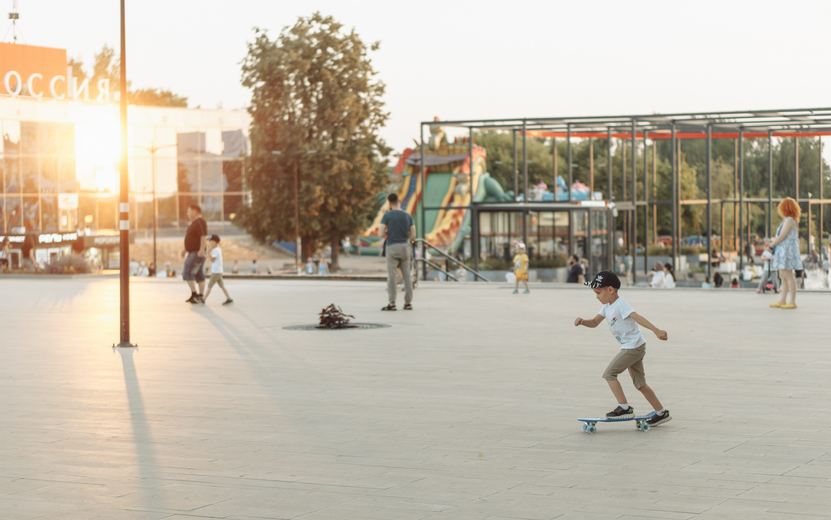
point(216, 270)
point(194, 254)
point(398, 228)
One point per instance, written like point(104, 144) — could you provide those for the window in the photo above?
point(166, 203)
point(13, 213)
point(11, 137)
point(31, 213)
point(28, 137)
point(11, 167)
point(31, 175)
point(212, 208)
point(66, 174)
point(49, 211)
point(188, 176)
point(211, 176)
point(49, 175)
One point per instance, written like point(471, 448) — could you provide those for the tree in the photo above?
point(106, 65)
point(500, 147)
point(313, 88)
point(156, 97)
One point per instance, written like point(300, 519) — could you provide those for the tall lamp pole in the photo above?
point(153, 149)
point(124, 202)
point(296, 206)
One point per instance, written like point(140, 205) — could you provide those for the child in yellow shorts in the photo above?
point(624, 323)
point(521, 268)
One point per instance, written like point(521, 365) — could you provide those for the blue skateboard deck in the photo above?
point(590, 422)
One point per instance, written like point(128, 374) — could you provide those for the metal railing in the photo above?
point(426, 262)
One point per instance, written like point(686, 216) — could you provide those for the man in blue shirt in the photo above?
point(398, 228)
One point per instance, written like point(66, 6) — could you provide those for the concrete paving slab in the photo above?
point(463, 408)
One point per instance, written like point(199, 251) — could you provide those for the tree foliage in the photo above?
point(107, 65)
point(313, 89)
point(500, 158)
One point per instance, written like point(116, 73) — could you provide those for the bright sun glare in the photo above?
point(98, 151)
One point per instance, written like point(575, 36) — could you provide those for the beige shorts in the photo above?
point(628, 358)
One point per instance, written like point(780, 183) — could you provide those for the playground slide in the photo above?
point(445, 228)
point(450, 230)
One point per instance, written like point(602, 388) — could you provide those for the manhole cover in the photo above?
point(353, 327)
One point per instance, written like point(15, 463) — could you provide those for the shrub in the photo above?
point(690, 250)
point(549, 263)
point(71, 264)
point(495, 264)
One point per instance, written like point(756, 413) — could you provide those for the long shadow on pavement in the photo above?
point(151, 484)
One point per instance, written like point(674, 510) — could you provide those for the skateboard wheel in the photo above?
point(592, 428)
point(644, 427)
point(585, 427)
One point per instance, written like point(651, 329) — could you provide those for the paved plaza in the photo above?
point(463, 409)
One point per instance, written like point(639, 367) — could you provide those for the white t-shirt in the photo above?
point(216, 263)
point(657, 279)
point(624, 328)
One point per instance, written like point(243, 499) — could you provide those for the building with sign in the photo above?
point(61, 149)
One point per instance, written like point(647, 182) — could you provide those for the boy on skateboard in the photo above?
point(624, 321)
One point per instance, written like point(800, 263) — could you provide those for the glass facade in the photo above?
point(59, 166)
point(551, 235)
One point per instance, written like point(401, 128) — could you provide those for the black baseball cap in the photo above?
point(604, 279)
point(215, 238)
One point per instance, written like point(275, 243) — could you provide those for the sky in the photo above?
point(480, 59)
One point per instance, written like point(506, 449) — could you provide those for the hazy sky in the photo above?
point(481, 59)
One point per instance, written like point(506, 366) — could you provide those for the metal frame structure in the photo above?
point(737, 125)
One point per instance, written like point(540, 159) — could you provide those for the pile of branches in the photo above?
point(332, 317)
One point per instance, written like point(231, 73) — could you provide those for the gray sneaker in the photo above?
point(620, 413)
point(228, 301)
point(659, 419)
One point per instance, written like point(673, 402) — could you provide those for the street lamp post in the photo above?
point(153, 149)
point(296, 155)
point(124, 203)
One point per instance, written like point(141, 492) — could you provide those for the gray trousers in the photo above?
point(764, 279)
point(398, 256)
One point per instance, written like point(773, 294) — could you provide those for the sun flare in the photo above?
point(98, 152)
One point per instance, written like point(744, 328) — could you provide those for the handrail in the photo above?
point(463, 266)
point(439, 269)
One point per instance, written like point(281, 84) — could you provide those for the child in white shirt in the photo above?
point(216, 269)
point(624, 321)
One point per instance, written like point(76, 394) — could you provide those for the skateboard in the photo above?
point(640, 422)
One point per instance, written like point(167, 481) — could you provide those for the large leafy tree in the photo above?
point(313, 89)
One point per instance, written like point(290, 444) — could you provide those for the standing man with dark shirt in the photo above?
point(195, 252)
point(397, 225)
point(576, 273)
